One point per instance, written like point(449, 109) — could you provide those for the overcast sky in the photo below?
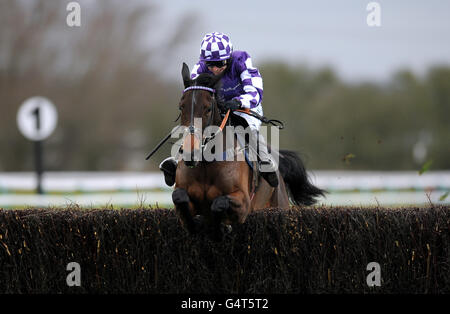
point(413, 34)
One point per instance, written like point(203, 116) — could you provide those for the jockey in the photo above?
point(241, 88)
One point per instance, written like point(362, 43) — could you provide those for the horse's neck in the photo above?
point(217, 120)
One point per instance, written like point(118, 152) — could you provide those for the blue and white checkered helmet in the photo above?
point(215, 47)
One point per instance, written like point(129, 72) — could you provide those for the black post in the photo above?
point(38, 165)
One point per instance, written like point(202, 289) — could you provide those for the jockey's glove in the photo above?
point(232, 104)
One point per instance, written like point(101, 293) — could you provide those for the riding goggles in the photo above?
point(219, 64)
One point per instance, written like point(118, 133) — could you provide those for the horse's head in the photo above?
point(199, 110)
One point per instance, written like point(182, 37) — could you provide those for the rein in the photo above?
point(205, 140)
point(274, 122)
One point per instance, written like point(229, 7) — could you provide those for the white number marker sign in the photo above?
point(37, 118)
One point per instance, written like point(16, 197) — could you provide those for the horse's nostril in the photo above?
point(191, 163)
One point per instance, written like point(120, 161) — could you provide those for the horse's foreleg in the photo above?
point(239, 206)
point(219, 209)
point(184, 206)
point(226, 209)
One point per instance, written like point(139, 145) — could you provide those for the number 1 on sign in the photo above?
point(36, 112)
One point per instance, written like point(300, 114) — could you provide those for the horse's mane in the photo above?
point(205, 79)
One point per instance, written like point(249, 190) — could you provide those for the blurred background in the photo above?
point(367, 107)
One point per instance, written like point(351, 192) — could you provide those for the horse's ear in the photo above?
point(186, 74)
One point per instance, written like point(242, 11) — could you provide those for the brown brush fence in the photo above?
point(303, 250)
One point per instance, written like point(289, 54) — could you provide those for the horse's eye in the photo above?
point(208, 110)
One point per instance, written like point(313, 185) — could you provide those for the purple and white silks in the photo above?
point(215, 47)
point(241, 80)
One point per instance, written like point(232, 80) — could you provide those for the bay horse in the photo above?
point(217, 194)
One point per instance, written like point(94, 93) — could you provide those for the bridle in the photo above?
point(192, 129)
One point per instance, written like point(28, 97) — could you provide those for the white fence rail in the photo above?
point(128, 188)
point(82, 181)
point(132, 181)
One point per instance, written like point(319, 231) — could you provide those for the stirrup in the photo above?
point(271, 177)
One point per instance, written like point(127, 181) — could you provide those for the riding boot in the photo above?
point(169, 168)
point(267, 165)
